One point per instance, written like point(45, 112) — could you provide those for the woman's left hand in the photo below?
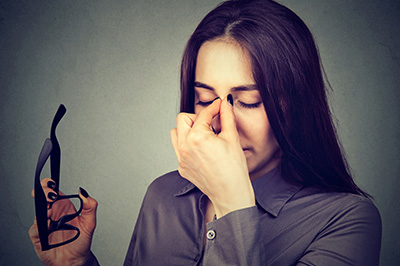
point(216, 164)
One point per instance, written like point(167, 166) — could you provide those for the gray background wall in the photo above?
point(115, 65)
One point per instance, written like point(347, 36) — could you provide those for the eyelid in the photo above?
point(201, 103)
point(250, 105)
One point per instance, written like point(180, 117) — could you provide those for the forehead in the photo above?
point(223, 63)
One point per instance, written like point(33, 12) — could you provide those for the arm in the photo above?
point(237, 240)
point(343, 235)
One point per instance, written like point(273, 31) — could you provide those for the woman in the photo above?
point(262, 179)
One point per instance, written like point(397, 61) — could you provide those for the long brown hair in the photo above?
point(287, 70)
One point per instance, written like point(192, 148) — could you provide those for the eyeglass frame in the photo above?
point(51, 148)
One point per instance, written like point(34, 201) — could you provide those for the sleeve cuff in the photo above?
point(91, 260)
point(234, 239)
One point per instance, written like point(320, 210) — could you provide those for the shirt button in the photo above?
point(210, 234)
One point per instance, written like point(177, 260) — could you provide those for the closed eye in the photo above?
point(249, 105)
point(200, 103)
point(204, 103)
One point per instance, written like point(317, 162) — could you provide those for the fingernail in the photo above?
point(51, 184)
point(230, 99)
point(83, 192)
point(52, 196)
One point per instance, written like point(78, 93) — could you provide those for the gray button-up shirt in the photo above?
point(290, 225)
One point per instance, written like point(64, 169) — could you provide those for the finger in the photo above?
point(45, 183)
point(227, 117)
point(174, 140)
point(51, 196)
point(205, 117)
point(184, 123)
point(48, 186)
point(89, 209)
point(48, 183)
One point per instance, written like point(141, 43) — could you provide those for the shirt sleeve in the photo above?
point(234, 239)
point(353, 237)
point(91, 261)
point(129, 255)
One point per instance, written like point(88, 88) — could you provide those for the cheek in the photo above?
point(269, 138)
point(252, 124)
point(254, 129)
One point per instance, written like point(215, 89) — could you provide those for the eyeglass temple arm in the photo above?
point(55, 157)
point(40, 197)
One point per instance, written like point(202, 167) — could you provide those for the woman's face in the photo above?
point(223, 68)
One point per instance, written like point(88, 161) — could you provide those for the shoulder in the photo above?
point(348, 228)
point(356, 202)
point(352, 204)
point(333, 209)
point(341, 202)
point(345, 209)
point(358, 209)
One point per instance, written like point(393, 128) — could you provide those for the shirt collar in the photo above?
point(186, 189)
point(271, 191)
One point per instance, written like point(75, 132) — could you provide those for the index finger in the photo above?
point(205, 117)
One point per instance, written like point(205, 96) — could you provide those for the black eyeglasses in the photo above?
point(51, 148)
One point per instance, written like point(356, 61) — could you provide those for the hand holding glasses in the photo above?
point(51, 148)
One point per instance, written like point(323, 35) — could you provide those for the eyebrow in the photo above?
point(249, 87)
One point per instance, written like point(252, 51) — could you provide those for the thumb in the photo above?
point(227, 116)
point(89, 208)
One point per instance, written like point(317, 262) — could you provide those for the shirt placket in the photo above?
point(201, 238)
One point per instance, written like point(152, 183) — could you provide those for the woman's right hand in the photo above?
point(76, 252)
point(214, 163)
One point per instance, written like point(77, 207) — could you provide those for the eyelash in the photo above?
point(250, 106)
point(204, 104)
point(244, 105)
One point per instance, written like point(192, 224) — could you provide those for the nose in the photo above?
point(216, 124)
